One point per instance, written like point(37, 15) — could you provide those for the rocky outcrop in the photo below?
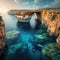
point(2, 37)
point(51, 19)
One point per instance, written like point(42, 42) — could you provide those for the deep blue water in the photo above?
point(26, 34)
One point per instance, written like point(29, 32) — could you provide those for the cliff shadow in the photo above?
point(24, 25)
point(4, 53)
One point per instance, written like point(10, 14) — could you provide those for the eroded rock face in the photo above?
point(2, 37)
point(51, 19)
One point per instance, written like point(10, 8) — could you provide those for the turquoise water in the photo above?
point(21, 39)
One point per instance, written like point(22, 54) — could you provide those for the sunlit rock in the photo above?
point(52, 28)
point(51, 19)
point(12, 34)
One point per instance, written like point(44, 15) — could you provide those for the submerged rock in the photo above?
point(14, 47)
point(12, 34)
point(19, 46)
point(40, 36)
point(51, 50)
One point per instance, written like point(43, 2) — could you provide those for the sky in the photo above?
point(6, 5)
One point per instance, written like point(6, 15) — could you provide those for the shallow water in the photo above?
point(20, 47)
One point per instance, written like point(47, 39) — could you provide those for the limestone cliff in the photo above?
point(51, 19)
point(2, 38)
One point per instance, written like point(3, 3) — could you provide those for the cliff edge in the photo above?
point(51, 19)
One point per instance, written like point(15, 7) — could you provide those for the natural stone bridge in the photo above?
point(48, 17)
point(23, 13)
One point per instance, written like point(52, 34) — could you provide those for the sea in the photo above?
point(25, 41)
